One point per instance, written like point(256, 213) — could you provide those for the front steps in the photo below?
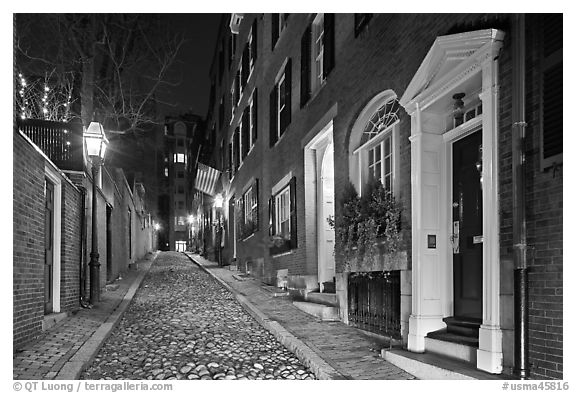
point(320, 305)
point(430, 366)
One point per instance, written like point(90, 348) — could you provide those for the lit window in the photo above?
point(166, 171)
point(179, 158)
point(249, 211)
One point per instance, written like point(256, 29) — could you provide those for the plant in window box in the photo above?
point(368, 227)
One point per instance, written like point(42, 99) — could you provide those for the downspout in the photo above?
point(83, 302)
point(521, 364)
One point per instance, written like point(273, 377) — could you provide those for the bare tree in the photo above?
point(117, 63)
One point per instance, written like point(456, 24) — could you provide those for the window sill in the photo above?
point(249, 237)
point(283, 254)
point(280, 137)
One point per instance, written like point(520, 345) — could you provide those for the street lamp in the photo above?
point(96, 143)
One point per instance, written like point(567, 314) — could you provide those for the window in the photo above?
point(166, 171)
point(360, 21)
point(375, 136)
point(280, 104)
point(180, 205)
point(380, 162)
point(283, 213)
point(552, 86)
point(180, 174)
point(248, 208)
point(180, 142)
point(236, 144)
point(253, 117)
point(278, 24)
point(180, 189)
point(317, 55)
point(253, 45)
point(179, 158)
point(282, 210)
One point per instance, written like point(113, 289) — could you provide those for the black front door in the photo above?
point(467, 227)
point(48, 246)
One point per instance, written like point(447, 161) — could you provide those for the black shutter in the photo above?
point(328, 43)
point(293, 223)
point(256, 214)
point(275, 24)
point(236, 149)
point(242, 216)
point(255, 40)
point(254, 115)
point(274, 115)
point(552, 85)
point(245, 66)
point(285, 116)
point(271, 216)
point(305, 48)
point(246, 132)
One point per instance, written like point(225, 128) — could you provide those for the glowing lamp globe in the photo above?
point(95, 140)
point(218, 201)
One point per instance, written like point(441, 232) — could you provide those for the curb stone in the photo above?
point(320, 368)
point(87, 352)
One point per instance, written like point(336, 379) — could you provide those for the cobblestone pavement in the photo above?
point(182, 324)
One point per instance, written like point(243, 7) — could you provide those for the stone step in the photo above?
point(52, 319)
point(462, 327)
point(328, 299)
point(321, 311)
point(451, 345)
point(432, 366)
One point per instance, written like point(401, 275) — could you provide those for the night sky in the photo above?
point(193, 62)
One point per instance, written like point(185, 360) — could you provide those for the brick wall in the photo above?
point(71, 247)
point(28, 241)
point(544, 209)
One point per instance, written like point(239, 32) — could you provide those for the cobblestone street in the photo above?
point(182, 324)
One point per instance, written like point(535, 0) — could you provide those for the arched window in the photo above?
point(374, 143)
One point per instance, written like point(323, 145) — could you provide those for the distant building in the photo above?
point(176, 187)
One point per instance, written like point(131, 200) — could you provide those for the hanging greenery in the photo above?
point(368, 226)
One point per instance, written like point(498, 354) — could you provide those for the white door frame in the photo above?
point(54, 177)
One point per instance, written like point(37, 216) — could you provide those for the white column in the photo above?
point(426, 278)
point(489, 353)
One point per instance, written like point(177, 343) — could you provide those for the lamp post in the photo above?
point(96, 143)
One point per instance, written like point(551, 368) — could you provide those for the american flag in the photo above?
point(206, 178)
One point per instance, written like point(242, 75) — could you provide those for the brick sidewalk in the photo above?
point(345, 351)
point(62, 351)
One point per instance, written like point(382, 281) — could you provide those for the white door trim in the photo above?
point(54, 177)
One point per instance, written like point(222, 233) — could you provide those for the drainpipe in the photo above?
point(521, 364)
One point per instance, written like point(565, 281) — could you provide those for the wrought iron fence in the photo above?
point(374, 302)
point(61, 142)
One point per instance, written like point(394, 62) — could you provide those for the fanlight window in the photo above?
point(383, 118)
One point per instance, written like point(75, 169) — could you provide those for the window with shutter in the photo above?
point(254, 43)
point(236, 149)
point(273, 116)
point(283, 224)
point(245, 129)
point(254, 117)
point(552, 89)
point(285, 98)
point(245, 66)
point(278, 24)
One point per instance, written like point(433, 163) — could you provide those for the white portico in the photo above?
point(458, 78)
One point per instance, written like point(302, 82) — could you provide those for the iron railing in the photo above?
point(61, 142)
point(374, 302)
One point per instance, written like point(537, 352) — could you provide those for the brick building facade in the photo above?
point(303, 104)
point(52, 215)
